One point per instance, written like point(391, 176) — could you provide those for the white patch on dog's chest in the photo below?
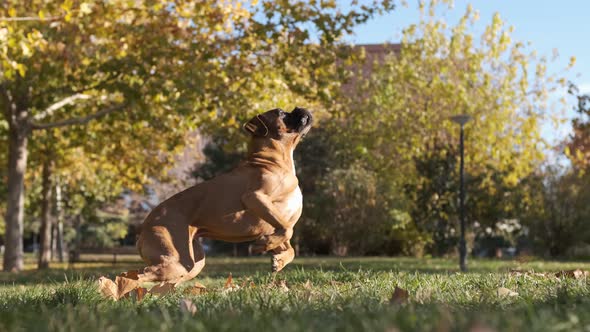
point(293, 202)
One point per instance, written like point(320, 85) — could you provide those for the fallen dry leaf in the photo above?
point(137, 294)
point(229, 283)
point(502, 292)
point(199, 285)
point(141, 292)
point(282, 286)
point(196, 289)
point(108, 288)
point(399, 296)
point(162, 289)
point(125, 285)
point(518, 273)
point(247, 282)
point(575, 274)
point(131, 274)
point(187, 306)
point(307, 284)
point(117, 289)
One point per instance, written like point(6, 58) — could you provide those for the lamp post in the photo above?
point(462, 120)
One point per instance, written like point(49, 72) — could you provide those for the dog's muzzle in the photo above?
point(299, 120)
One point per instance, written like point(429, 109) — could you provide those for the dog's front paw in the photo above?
point(276, 264)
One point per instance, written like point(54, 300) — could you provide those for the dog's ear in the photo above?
point(256, 127)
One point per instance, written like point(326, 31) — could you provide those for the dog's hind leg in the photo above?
point(169, 256)
point(281, 256)
point(199, 257)
point(168, 271)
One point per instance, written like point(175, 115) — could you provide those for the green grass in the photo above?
point(348, 294)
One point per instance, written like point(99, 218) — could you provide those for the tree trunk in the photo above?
point(46, 224)
point(17, 165)
point(53, 241)
point(60, 225)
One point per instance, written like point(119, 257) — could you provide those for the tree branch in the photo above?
point(49, 111)
point(67, 87)
point(80, 120)
point(30, 18)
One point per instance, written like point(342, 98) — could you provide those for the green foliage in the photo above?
point(383, 161)
point(578, 147)
point(151, 71)
point(434, 198)
point(351, 209)
point(217, 161)
point(441, 71)
point(397, 125)
point(101, 230)
point(558, 218)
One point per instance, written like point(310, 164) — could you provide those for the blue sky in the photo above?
point(547, 25)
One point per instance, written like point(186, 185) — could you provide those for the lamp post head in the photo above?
point(461, 119)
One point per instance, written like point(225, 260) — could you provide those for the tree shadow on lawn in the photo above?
point(220, 267)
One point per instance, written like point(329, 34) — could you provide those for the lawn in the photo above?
point(324, 294)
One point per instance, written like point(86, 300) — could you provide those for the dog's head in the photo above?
point(279, 125)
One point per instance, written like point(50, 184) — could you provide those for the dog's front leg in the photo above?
point(262, 205)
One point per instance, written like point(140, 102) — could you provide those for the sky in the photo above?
point(547, 24)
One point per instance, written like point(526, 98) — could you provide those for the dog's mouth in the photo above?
point(299, 120)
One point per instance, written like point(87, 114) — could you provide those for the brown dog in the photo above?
point(259, 200)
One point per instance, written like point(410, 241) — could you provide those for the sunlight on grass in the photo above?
point(327, 294)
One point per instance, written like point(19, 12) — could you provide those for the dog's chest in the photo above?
point(293, 202)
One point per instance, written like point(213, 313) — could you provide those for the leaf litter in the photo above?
point(399, 296)
point(571, 274)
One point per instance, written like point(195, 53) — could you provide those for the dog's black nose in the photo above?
point(304, 119)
